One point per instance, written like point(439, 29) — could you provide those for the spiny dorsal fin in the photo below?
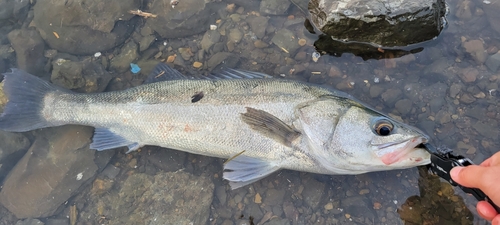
point(163, 72)
point(269, 126)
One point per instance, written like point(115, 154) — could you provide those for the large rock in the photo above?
point(57, 164)
point(16, 9)
point(29, 48)
point(82, 76)
point(84, 26)
point(13, 147)
point(166, 198)
point(379, 22)
point(185, 19)
point(491, 10)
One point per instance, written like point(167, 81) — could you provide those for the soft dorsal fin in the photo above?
point(163, 72)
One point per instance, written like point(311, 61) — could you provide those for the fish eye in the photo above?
point(383, 128)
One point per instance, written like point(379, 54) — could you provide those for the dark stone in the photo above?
point(29, 48)
point(398, 23)
point(84, 26)
point(187, 18)
point(82, 76)
point(56, 166)
point(274, 7)
point(13, 9)
point(13, 147)
point(168, 198)
point(222, 59)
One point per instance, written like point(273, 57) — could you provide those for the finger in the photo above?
point(492, 161)
point(496, 220)
point(487, 162)
point(484, 178)
point(475, 176)
point(486, 211)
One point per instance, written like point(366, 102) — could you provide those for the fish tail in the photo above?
point(25, 94)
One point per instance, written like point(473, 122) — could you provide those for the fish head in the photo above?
point(371, 141)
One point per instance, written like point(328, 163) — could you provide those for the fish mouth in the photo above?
point(396, 151)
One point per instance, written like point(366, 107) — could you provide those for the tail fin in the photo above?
point(25, 94)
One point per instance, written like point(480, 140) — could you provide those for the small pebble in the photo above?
point(257, 199)
point(171, 58)
point(197, 64)
point(302, 42)
point(329, 206)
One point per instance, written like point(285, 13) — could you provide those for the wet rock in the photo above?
point(491, 10)
point(487, 129)
point(84, 26)
point(167, 160)
point(493, 62)
point(443, 117)
point(13, 9)
point(274, 196)
point(168, 198)
point(56, 166)
point(248, 5)
point(467, 98)
point(13, 147)
point(209, 39)
point(376, 90)
point(254, 211)
point(128, 53)
point(223, 59)
point(357, 206)
point(258, 24)
point(278, 221)
point(286, 41)
point(476, 50)
point(30, 222)
point(404, 106)
point(399, 23)
point(274, 7)
point(455, 89)
point(468, 75)
point(187, 18)
point(82, 76)
point(146, 41)
point(313, 191)
point(235, 35)
point(29, 48)
point(391, 96)
point(110, 171)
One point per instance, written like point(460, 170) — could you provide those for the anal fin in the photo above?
point(243, 170)
point(105, 139)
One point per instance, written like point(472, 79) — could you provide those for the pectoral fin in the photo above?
point(270, 126)
point(243, 170)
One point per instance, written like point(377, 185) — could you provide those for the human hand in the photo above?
point(486, 177)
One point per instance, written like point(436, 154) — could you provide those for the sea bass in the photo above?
point(258, 123)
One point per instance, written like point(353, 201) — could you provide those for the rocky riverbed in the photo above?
point(448, 88)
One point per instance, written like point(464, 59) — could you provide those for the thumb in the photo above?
point(472, 176)
point(475, 176)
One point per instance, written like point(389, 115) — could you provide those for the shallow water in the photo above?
point(423, 89)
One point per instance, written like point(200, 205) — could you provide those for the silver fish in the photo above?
point(261, 124)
